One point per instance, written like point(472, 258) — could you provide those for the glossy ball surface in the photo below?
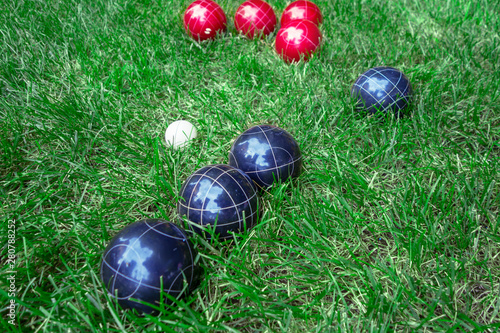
point(382, 89)
point(203, 19)
point(297, 40)
point(266, 154)
point(255, 18)
point(219, 196)
point(141, 256)
point(302, 10)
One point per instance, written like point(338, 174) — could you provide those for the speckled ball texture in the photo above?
point(382, 89)
point(219, 197)
point(146, 258)
point(267, 154)
point(255, 18)
point(298, 40)
point(204, 19)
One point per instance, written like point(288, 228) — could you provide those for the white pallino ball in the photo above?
point(179, 133)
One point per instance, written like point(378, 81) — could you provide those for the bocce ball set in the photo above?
point(298, 38)
point(150, 263)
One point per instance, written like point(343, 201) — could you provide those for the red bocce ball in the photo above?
point(203, 19)
point(301, 10)
point(297, 39)
point(254, 18)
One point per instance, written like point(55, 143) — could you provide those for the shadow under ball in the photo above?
point(146, 257)
point(382, 89)
point(266, 154)
point(219, 196)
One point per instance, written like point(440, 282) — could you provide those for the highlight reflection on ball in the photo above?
point(297, 40)
point(145, 259)
point(203, 19)
point(382, 89)
point(266, 154)
point(255, 18)
point(219, 196)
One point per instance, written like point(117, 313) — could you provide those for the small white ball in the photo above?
point(179, 133)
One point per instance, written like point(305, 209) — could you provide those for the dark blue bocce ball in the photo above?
point(221, 197)
point(382, 89)
point(267, 154)
point(146, 257)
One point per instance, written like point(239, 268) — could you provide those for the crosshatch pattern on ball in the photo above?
point(266, 154)
point(381, 89)
point(222, 196)
point(203, 19)
point(297, 40)
point(302, 10)
point(143, 257)
point(255, 17)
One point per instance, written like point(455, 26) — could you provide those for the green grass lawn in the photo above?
point(393, 225)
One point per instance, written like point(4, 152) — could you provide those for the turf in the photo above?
point(392, 226)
